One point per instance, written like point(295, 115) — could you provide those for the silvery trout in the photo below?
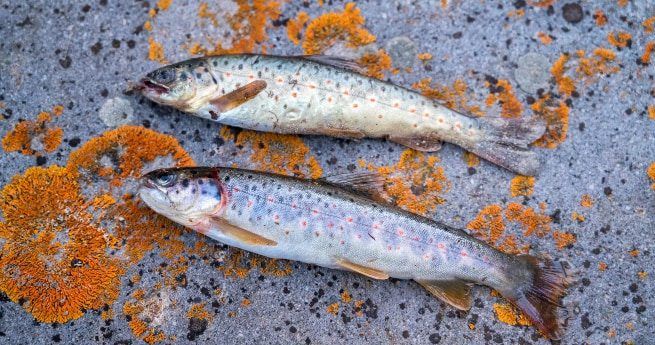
point(322, 223)
point(327, 96)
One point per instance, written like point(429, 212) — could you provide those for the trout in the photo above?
point(320, 95)
point(332, 223)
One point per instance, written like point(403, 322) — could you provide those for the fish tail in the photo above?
point(538, 296)
point(505, 142)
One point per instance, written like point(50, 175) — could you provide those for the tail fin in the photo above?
point(505, 142)
point(539, 298)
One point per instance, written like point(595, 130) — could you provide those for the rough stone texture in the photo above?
point(62, 52)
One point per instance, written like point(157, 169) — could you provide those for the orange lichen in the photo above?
point(346, 297)
point(649, 25)
point(502, 94)
point(642, 275)
point(650, 171)
point(132, 147)
point(277, 153)
point(619, 39)
point(248, 26)
point(375, 63)
point(415, 183)
point(563, 239)
point(333, 308)
point(296, 26)
point(245, 302)
point(575, 216)
point(634, 253)
point(557, 121)
point(163, 5)
point(54, 255)
point(424, 56)
point(544, 38)
point(35, 137)
point(541, 3)
point(199, 311)
point(521, 186)
point(510, 315)
point(454, 96)
point(471, 159)
point(586, 201)
point(155, 51)
point(648, 51)
point(602, 266)
point(490, 224)
point(600, 18)
point(517, 13)
point(239, 264)
point(564, 83)
point(142, 311)
point(330, 28)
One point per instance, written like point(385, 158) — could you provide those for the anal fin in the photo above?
point(363, 270)
point(454, 292)
point(240, 234)
point(425, 144)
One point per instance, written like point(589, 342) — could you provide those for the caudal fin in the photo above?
point(539, 297)
point(505, 142)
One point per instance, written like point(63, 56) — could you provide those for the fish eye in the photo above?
point(163, 76)
point(165, 179)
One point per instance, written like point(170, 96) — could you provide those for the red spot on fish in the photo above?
point(396, 105)
point(485, 259)
point(293, 205)
point(276, 218)
point(250, 203)
point(376, 226)
point(389, 248)
point(345, 92)
point(269, 199)
point(330, 225)
point(329, 99)
point(294, 94)
point(236, 189)
point(463, 254)
point(315, 212)
point(412, 110)
point(355, 105)
point(359, 237)
point(349, 219)
point(372, 100)
point(401, 232)
point(416, 238)
point(251, 77)
point(228, 74)
point(342, 242)
point(303, 223)
point(441, 246)
point(426, 256)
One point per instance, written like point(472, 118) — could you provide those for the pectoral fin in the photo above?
point(240, 234)
point(363, 270)
point(239, 96)
point(425, 144)
point(454, 292)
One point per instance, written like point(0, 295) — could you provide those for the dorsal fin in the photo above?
point(369, 184)
point(335, 61)
point(454, 292)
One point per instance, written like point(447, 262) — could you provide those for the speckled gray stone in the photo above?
point(116, 112)
point(403, 51)
point(532, 72)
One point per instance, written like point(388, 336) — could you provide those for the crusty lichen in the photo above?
point(37, 137)
point(329, 28)
point(54, 254)
point(502, 94)
point(651, 173)
point(456, 97)
point(510, 315)
point(376, 63)
point(277, 153)
point(416, 183)
point(521, 186)
point(295, 27)
point(556, 115)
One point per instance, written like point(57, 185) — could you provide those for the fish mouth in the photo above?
point(150, 85)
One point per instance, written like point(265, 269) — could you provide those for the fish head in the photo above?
point(173, 85)
point(184, 195)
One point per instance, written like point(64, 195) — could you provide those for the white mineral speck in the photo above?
point(116, 112)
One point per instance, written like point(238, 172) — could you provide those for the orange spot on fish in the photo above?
point(401, 232)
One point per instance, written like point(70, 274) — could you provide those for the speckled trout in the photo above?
point(327, 96)
point(323, 223)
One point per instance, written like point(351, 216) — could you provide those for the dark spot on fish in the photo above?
point(198, 75)
point(215, 63)
point(206, 70)
point(185, 183)
point(183, 76)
